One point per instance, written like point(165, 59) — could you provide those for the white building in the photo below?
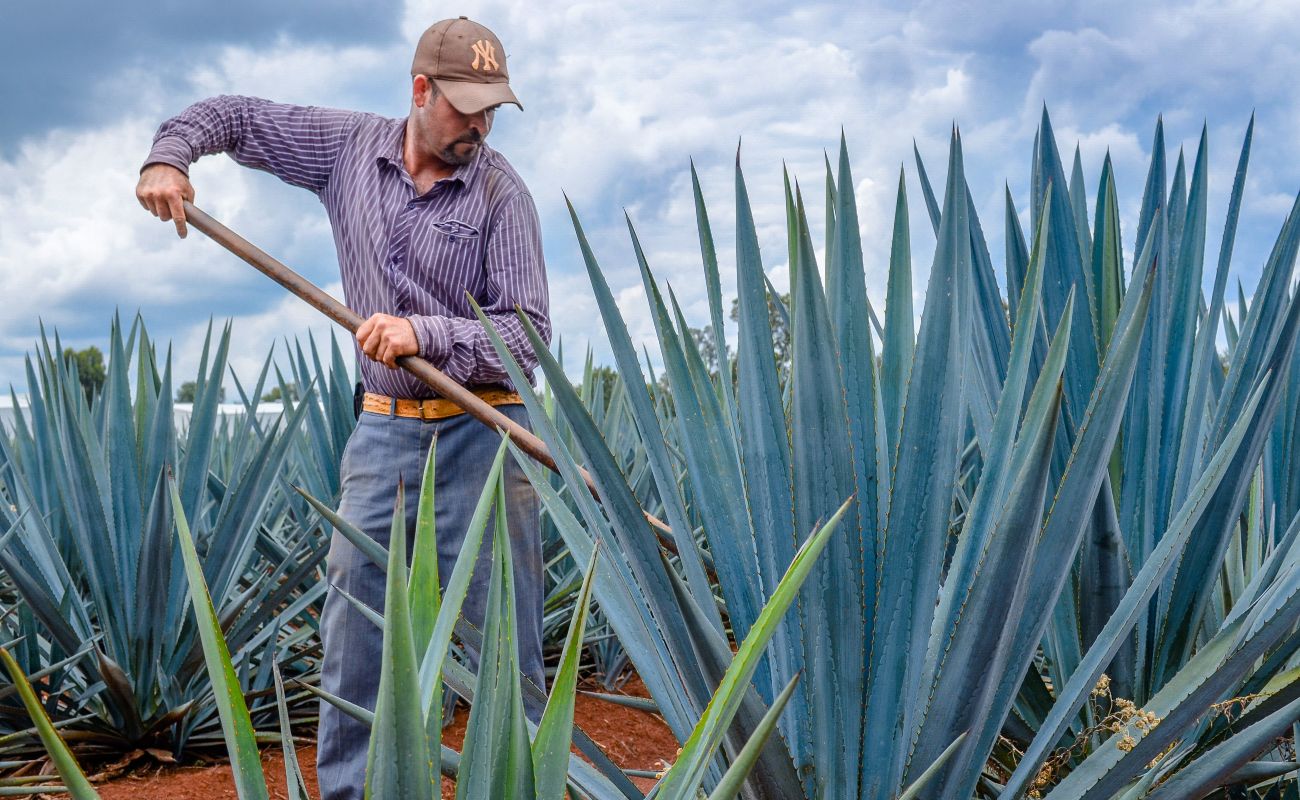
point(266, 412)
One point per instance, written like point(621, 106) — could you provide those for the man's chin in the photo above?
point(460, 156)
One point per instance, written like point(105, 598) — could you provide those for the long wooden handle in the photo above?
point(447, 388)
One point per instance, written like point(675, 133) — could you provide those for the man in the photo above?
point(422, 211)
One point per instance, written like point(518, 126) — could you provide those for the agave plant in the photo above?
point(90, 571)
point(1074, 493)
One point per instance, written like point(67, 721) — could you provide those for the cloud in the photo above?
point(619, 100)
point(62, 58)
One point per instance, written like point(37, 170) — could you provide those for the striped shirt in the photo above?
point(402, 254)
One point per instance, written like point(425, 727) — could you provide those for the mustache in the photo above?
point(474, 137)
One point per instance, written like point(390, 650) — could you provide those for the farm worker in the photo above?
point(422, 211)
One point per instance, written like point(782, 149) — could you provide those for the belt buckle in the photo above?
point(427, 410)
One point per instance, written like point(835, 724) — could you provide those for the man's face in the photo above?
point(454, 137)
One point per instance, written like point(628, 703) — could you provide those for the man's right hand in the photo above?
point(162, 190)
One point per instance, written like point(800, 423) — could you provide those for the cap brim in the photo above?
point(471, 98)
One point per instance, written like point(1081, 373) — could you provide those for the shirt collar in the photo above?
point(391, 153)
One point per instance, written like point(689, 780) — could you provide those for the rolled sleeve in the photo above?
point(173, 151)
point(431, 334)
point(298, 144)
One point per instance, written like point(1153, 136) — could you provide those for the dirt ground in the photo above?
point(634, 739)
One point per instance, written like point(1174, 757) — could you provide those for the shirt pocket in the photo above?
point(456, 229)
point(445, 261)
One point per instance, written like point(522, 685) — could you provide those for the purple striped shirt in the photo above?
point(412, 256)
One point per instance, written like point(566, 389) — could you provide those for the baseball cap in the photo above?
point(467, 63)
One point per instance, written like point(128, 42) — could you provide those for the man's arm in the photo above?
point(298, 144)
point(516, 276)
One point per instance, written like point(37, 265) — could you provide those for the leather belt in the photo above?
point(434, 407)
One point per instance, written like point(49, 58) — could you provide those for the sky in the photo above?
point(619, 99)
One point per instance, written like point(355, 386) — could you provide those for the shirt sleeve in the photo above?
point(298, 144)
point(516, 278)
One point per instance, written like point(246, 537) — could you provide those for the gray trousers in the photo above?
point(381, 450)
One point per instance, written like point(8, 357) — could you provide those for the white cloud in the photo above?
point(619, 98)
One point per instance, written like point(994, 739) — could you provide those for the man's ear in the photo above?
point(420, 87)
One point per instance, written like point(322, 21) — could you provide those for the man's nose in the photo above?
point(479, 123)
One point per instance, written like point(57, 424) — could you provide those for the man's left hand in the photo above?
point(384, 338)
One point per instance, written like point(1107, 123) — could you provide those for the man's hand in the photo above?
point(384, 337)
point(161, 190)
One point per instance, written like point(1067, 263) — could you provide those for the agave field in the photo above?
point(1033, 539)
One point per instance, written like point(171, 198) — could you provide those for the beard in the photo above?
point(459, 156)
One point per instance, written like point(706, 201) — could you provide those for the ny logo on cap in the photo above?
point(484, 50)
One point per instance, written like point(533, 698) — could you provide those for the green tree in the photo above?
point(275, 395)
point(186, 393)
point(780, 336)
point(90, 368)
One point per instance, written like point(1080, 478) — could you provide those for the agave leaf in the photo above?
point(714, 469)
point(60, 756)
point(765, 459)
point(372, 550)
point(293, 780)
point(733, 780)
point(863, 398)
point(927, 191)
point(397, 764)
point(616, 584)
point(1185, 299)
point(423, 586)
point(900, 336)
point(690, 768)
point(1064, 270)
point(1153, 195)
point(824, 475)
point(453, 599)
point(236, 726)
point(712, 285)
point(551, 745)
point(1075, 498)
point(120, 453)
point(633, 536)
point(997, 469)
point(496, 760)
point(1107, 254)
point(913, 791)
point(965, 690)
point(926, 471)
point(351, 709)
point(648, 424)
point(1017, 259)
point(1079, 205)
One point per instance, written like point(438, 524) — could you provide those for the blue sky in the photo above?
point(619, 98)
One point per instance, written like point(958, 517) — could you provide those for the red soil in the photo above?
point(633, 739)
